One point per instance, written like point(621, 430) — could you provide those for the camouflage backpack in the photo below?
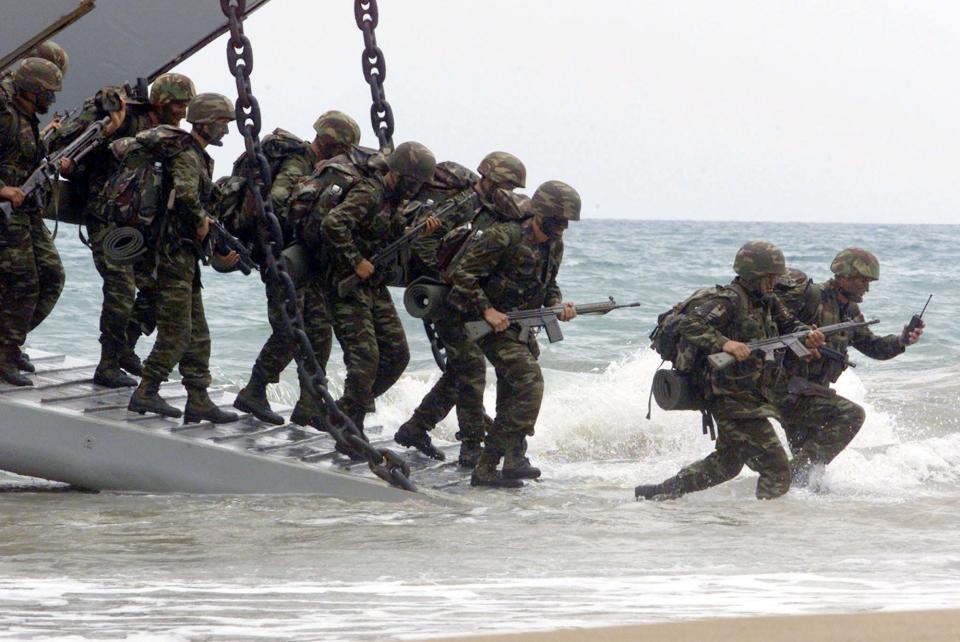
point(799, 294)
point(665, 338)
point(313, 197)
point(136, 193)
point(277, 147)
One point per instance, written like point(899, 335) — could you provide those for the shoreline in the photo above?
point(878, 626)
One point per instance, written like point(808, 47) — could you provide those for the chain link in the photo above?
point(375, 71)
point(383, 462)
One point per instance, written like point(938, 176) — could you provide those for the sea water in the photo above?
point(572, 550)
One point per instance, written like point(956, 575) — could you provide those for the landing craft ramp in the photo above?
point(65, 428)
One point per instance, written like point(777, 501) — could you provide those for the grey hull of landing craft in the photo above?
point(65, 428)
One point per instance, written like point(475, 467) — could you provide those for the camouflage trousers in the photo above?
point(374, 345)
point(461, 385)
point(819, 428)
point(182, 334)
point(31, 278)
point(744, 437)
point(519, 389)
point(143, 316)
point(119, 293)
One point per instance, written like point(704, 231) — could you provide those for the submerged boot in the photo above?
point(486, 473)
point(253, 399)
point(669, 489)
point(515, 463)
point(10, 373)
point(108, 372)
point(23, 362)
point(146, 398)
point(412, 435)
point(469, 453)
point(201, 408)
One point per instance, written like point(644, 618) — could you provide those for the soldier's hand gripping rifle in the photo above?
point(792, 342)
point(223, 242)
point(388, 255)
point(547, 318)
point(42, 180)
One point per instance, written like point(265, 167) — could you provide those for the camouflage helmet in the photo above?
point(412, 159)
point(171, 88)
point(337, 128)
point(37, 75)
point(504, 169)
point(759, 258)
point(855, 261)
point(556, 199)
point(210, 107)
point(49, 50)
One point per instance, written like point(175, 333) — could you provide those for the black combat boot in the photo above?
point(11, 374)
point(129, 361)
point(515, 463)
point(253, 399)
point(201, 408)
point(669, 489)
point(108, 372)
point(412, 435)
point(486, 473)
point(146, 398)
point(300, 415)
point(469, 453)
point(23, 362)
point(357, 418)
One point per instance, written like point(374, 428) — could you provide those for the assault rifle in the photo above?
point(388, 255)
point(45, 176)
point(792, 341)
point(547, 318)
point(223, 242)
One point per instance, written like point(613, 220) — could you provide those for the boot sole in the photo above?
point(495, 484)
point(174, 414)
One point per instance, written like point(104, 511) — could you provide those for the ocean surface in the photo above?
point(880, 532)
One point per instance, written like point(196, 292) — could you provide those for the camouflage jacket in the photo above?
point(829, 311)
point(88, 179)
point(21, 148)
point(362, 223)
point(7, 89)
point(449, 181)
point(737, 314)
point(507, 269)
point(293, 168)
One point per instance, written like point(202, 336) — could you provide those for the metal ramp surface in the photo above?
point(65, 428)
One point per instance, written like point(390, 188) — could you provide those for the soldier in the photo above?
point(182, 334)
point(365, 321)
point(31, 274)
point(740, 397)
point(170, 94)
point(513, 265)
point(463, 381)
point(819, 423)
point(336, 133)
point(48, 50)
point(86, 182)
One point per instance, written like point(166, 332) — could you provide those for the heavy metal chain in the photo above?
point(375, 72)
point(385, 463)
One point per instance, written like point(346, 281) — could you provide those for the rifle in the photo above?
point(223, 242)
point(43, 178)
point(548, 318)
point(792, 341)
point(388, 255)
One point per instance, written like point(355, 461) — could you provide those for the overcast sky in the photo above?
point(815, 110)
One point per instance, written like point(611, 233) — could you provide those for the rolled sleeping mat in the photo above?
point(425, 299)
point(673, 391)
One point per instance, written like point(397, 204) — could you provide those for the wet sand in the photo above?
point(907, 626)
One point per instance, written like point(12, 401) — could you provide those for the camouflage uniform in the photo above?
point(31, 273)
point(741, 397)
point(120, 282)
point(507, 269)
point(47, 50)
point(819, 423)
point(463, 381)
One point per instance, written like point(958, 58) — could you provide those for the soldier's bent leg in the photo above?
point(394, 354)
point(354, 328)
point(119, 292)
point(175, 283)
point(195, 367)
point(50, 275)
point(819, 428)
